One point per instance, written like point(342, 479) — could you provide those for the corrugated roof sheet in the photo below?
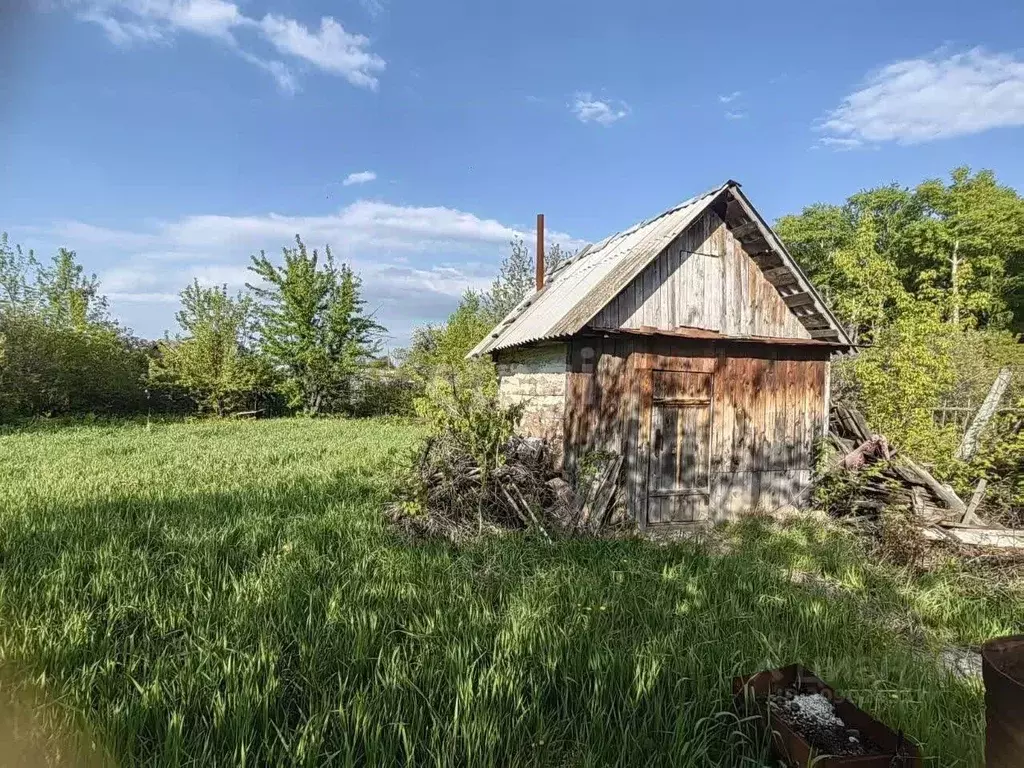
point(542, 315)
point(581, 287)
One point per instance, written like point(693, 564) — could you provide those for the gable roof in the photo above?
point(584, 284)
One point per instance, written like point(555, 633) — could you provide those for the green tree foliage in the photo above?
point(214, 360)
point(59, 351)
point(443, 348)
point(437, 359)
point(435, 346)
point(517, 277)
point(313, 326)
point(968, 245)
point(18, 286)
point(902, 377)
point(70, 298)
point(958, 246)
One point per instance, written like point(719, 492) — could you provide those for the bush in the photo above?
point(454, 479)
point(384, 391)
point(48, 370)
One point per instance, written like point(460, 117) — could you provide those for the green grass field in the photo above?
point(222, 593)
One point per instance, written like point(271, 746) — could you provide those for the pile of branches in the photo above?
point(887, 478)
point(872, 479)
point(445, 492)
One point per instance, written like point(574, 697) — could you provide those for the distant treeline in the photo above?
point(298, 340)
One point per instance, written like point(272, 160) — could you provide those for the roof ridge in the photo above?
point(590, 248)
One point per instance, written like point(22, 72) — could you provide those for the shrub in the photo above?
point(384, 391)
point(53, 370)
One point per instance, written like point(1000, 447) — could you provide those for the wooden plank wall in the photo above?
point(768, 410)
point(703, 279)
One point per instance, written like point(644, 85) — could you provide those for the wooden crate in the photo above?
point(751, 691)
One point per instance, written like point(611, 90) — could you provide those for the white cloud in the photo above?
point(415, 261)
point(122, 33)
point(591, 110)
point(728, 97)
point(282, 75)
point(734, 115)
point(373, 7)
point(361, 177)
point(936, 97)
point(214, 18)
point(330, 49)
point(841, 144)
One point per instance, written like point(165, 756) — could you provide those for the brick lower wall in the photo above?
point(536, 377)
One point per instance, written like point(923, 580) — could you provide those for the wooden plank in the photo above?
point(644, 436)
point(969, 444)
point(809, 406)
point(728, 295)
point(779, 438)
point(742, 230)
point(1006, 538)
point(778, 275)
point(724, 389)
point(971, 513)
point(795, 416)
point(681, 385)
point(942, 492)
point(664, 449)
point(798, 299)
point(745, 415)
point(768, 458)
point(757, 372)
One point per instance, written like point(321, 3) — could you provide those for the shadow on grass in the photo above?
point(57, 424)
point(288, 624)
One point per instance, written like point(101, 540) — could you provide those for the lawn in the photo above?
point(221, 593)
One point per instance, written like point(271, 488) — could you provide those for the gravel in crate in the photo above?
point(813, 718)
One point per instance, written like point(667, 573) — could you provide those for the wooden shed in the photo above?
point(691, 344)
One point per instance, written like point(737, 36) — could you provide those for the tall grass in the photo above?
point(227, 594)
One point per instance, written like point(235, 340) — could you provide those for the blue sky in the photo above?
point(166, 139)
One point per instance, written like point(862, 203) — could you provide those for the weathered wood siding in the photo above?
point(703, 279)
point(536, 378)
point(767, 411)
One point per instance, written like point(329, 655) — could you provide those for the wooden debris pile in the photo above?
point(889, 479)
point(446, 493)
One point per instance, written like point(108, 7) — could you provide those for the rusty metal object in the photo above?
point(897, 750)
point(1002, 666)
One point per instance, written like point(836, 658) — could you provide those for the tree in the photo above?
point(435, 346)
point(901, 378)
point(70, 299)
point(313, 326)
point(214, 361)
point(968, 245)
point(517, 277)
point(959, 246)
point(18, 289)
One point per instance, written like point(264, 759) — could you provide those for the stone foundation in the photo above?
point(536, 377)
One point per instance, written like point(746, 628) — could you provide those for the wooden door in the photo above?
point(679, 473)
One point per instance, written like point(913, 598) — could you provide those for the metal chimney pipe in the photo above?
point(540, 251)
